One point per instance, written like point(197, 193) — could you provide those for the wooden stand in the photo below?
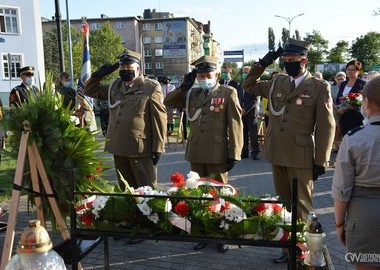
point(36, 168)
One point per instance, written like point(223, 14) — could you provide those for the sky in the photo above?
point(243, 24)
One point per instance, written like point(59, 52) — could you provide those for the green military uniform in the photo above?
point(216, 128)
point(300, 133)
point(137, 125)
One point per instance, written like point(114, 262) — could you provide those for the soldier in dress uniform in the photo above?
point(301, 126)
point(19, 94)
point(137, 127)
point(216, 129)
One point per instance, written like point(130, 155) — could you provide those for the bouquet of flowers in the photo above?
point(195, 206)
point(351, 102)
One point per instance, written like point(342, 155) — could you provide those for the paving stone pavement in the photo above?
point(249, 176)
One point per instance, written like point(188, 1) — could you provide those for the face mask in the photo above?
point(67, 84)
point(207, 84)
point(293, 68)
point(244, 75)
point(29, 81)
point(224, 75)
point(127, 75)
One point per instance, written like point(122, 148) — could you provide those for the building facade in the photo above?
point(167, 44)
point(20, 42)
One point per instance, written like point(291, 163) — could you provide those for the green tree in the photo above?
point(105, 46)
point(338, 54)
point(367, 49)
point(284, 36)
point(271, 39)
point(318, 48)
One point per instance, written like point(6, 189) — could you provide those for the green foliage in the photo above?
point(62, 145)
point(338, 54)
point(271, 39)
point(367, 49)
point(318, 48)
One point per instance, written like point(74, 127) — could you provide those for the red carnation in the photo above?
point(276, 208)
point(91, 177)
point(98, 170)
point(182, 209)
point(87, 218)
point(178, 179)
point(213, 192)
point(260, 208)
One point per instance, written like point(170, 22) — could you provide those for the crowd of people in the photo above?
point(306, 118)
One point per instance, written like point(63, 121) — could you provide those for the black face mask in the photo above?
point(127, 75)
point(293, 68)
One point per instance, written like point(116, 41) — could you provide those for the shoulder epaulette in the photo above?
point(354, 130)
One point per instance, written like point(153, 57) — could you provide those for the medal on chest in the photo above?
point(217, 104)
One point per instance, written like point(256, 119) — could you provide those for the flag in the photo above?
point(86, 66)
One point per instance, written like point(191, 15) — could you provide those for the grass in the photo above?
point(7, 171)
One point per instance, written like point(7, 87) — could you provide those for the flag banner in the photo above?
point(86, 65)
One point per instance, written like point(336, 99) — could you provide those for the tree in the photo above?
point(367, 49)
point(338, 54)
point(271, 39)
point(318, 48)
point(297, 36)
point(284, 36)
point(105, 46)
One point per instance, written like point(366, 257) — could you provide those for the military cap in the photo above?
point(26, 70)
point(129, 57)
point(206, 64)
point(296, 47)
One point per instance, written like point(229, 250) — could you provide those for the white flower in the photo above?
point(99, 204)
point(235, 213)
point(225, 191)
point(168, 206)
point(192, 174)
point(191, 183)
point(145, 209)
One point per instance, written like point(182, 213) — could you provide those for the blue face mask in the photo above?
point(207, 84)
point(224, 75)
point(67, 84)
point(29, 81)
point(244, 75)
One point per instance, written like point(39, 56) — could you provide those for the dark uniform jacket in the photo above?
point(216, 128)
point(69, 96)
point(301, 126)
point(19, 94)
point(137, 125)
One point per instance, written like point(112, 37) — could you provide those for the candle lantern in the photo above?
point(34, 251)
point(314, 241)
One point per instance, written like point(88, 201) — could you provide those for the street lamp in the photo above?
point(289, 20)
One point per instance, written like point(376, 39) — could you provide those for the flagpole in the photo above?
point(59, 35)
point(69, 43)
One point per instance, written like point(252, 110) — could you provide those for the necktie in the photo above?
point(293, 86)
point(166, 92)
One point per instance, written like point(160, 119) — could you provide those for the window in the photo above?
point(159, 65)
point(119, 25)
point(95, 26)
point(148, 65)
point(158, 39)
point(147, 40)
point(8, 21)
point(146, 26)
point(159, 52)
point(15, 66)
point(158, 26)
point(147, 53)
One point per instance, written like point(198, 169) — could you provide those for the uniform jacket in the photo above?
point(137, 125)
point(217, 134)
point(248, 102)
point(302, 135)
point(20, 92)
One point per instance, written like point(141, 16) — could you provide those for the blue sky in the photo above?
point(243, 24)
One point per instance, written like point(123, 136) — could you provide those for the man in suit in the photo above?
point(19, 94)
point(216, 128)
point(137, 127)
point(301, 127)
point(249, 104)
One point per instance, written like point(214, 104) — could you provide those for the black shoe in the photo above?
point(133, 241)
point(282, 259)
point(244, 156)
point(198, 246)
point(255, 156)
point(222, 248)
